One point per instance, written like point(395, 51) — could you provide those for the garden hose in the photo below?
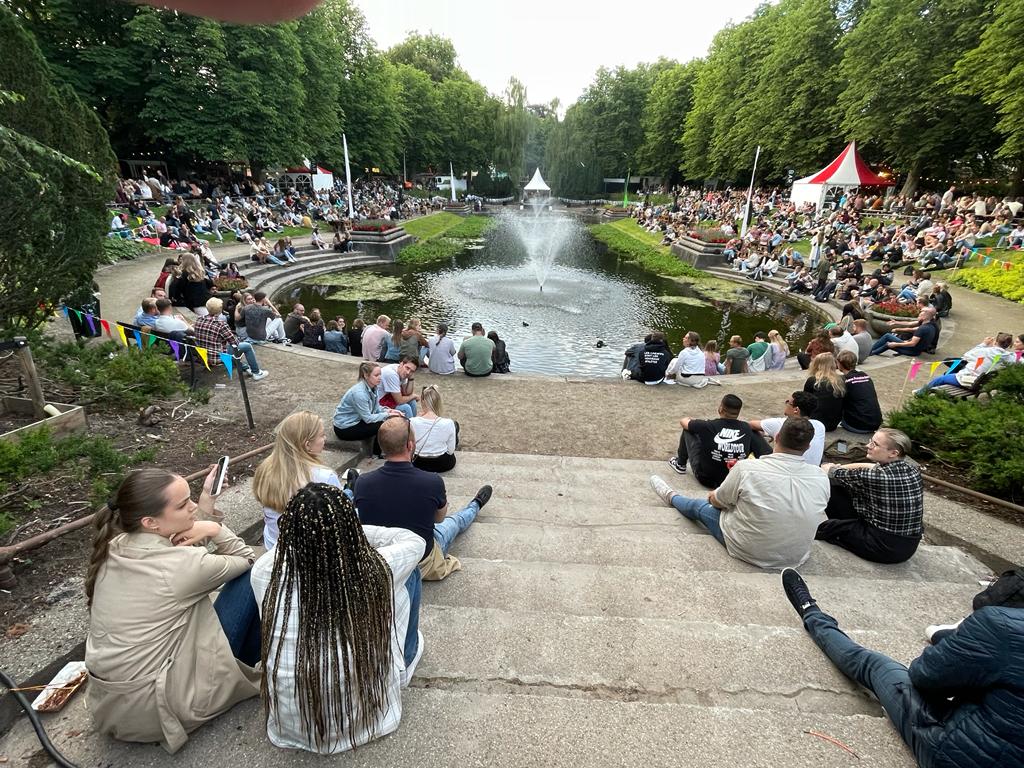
point(33, 718)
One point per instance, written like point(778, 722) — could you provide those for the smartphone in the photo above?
point(840, 446)
point(222, 472)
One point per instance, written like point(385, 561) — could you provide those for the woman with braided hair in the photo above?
point(162, 658)
point(335, 611)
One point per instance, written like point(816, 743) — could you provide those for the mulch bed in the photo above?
point(194, 438)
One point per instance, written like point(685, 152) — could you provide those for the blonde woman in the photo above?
point(293, 463)
point(436, 436)
point(193, 284)
point(779, 351)
point(829, 387)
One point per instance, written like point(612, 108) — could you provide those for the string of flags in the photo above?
point(955, 364)
point(178, 348)
point(987, 259)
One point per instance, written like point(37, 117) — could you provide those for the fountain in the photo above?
point(542, 233)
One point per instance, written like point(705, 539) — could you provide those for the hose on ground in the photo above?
point(33, 718)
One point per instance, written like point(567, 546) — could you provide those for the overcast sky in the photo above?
point(555, 46)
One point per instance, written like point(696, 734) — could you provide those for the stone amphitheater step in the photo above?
point(257, 272)
point(269, 283)
point(591, 624)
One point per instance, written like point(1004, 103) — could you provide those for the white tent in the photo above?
point(537, 183)
point(847, 171)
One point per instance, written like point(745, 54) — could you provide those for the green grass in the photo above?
point(440, 236)
point(629, 241)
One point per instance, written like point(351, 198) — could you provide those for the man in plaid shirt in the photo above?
point(876, 509)
point(213, 334)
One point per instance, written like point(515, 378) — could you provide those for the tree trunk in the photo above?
point(1017, 179)
point(913, 178)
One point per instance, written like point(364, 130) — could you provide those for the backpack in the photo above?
point(1007, 591)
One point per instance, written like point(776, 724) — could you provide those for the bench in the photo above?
point(958, 392)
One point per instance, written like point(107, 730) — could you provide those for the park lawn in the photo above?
point(431, 225)
point(440, 236)
point(628, 240)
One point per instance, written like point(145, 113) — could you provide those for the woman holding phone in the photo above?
point(162, 657)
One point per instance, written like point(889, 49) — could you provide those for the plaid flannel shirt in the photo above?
point(888, 496)
point(213, 334)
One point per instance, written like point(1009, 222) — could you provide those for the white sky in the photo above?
point(555, 47)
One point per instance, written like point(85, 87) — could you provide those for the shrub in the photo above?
point(230, 283)
point(426, 251)
point(1008, 283)
point(116, 249)
point(113, 376)
point(472, 227)
point(978, 442)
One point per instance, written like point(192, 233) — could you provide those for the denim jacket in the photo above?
point(358, 404)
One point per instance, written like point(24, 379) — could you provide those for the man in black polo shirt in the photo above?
point(398, 495)
point(712, 447)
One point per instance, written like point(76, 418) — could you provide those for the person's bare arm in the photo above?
point(685, 422)
point(441, 514)
point(755, 424)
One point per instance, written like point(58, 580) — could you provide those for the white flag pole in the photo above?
point(348, 180)
point(451, 173)
point(750, 193)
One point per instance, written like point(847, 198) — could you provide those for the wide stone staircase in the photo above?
point(592, 625)
point(310, 261)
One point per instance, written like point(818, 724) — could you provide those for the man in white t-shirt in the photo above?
point(441, 352)
point(167, 321)
point(396, 388)
point(799, 404)
point(842, 340)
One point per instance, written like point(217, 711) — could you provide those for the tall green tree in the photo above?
point(664, 113)
point(430, 53)
point(420, 108)
point(468, 116)
point(574, 170)
point(53, 183)
point(897, 96)
point(543, 120)
point(511, 129)
point(371, 97)
point(993, 72)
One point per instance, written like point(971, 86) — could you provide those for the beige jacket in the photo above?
point(159, 663)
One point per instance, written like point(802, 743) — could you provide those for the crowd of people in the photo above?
point(325, 625)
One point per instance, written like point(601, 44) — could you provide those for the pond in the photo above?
point(589, 297)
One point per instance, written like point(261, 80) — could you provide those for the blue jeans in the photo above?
point(886, 678)
point(700, 511)
point(414, 585)
point(240, 618)
point(409, 409)
point(938, 381)
point(250, 355)
point(454, 524)
point(880, 346)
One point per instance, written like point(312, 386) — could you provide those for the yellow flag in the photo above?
point(120, 332)
point(934, 366)
point(202, 356)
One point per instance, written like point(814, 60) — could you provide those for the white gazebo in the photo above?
point(537, 187)
point(847, 171)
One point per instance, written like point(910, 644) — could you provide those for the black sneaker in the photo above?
point(679, 468)
point(797, 592)
point(483, 495)
point(350, 479)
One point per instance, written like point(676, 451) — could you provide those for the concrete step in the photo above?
point(256, 272)
point(684, 546)
point(456, 727)
point(669, 592)
point(276, 280)
point(778, 668)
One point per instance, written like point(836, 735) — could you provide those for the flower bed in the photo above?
point(715, 236)
point(374, 225)
point(893, 308)
point(230, 284)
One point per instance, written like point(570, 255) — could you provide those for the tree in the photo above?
point(992, 72)
point(53, 183)
point(325, 36)
point(468, 115)
point(919, 121)
point(371, 97)
point(420, 108)
point(431, 53)
point(574, 170)
point(511, 129)
point(543, 120)
point(663, 116)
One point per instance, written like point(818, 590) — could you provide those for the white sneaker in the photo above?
point(936, 632)
point(411, 669)
point(663, 489)
point(261, 375)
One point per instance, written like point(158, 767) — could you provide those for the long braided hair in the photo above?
point(341, 589)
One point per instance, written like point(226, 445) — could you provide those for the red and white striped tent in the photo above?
point(847, 171)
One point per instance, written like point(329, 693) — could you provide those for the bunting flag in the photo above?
point(65, 309)
point(92, 325)
point(120, 332)
point(78, 315)
point(956, 365)
point(978, 363)
point(202, 356)
point(138, 339)
point(229, 362)
point(150, 340)
point(988, 251)
point(914, 368)
point(1007, 265)
point(174, 348)
point(931, 372)
point(996, 359)
point(987, 261)
point(106, 327)
point(1018, 353)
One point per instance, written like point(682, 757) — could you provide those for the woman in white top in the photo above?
point(688, 368)
point(335, 611)
point(436, 437)
point(294, 462)
point(441, 352)
point(779, 351)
